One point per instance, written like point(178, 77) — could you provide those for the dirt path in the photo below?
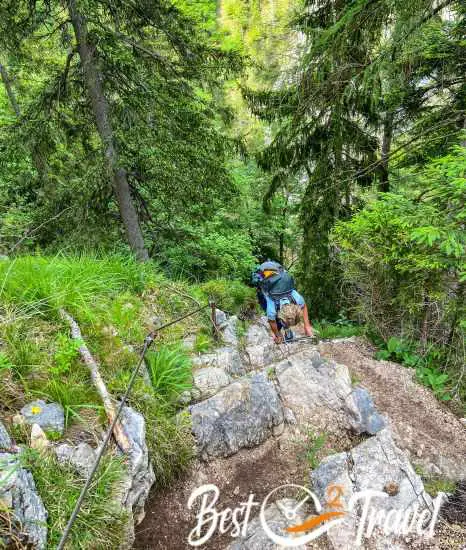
point(434, 436)
point(168, 521)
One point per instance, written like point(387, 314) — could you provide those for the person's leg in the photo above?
point(307, 323)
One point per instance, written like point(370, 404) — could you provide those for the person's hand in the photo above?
point(309, 331)
point(278, 338)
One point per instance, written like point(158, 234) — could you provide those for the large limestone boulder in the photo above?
point(49, 416)
point(320, 393)
point(261, 350)
point(226, 358)
point(241, 415)
point(363, 416)
point(229, 331)
point(19, 496)
point(378, 465)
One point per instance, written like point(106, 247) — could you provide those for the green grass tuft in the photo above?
point(168, 435)
point(169, 371)
point(101, 522)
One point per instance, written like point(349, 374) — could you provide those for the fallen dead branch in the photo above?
point(118, 431)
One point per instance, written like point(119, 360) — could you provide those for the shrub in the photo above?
point(229, 295)
point(404, 257)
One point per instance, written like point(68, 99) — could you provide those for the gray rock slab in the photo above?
point(18, 493)
point(208, 381)
point(229, 331)
point(81, 457)
point(241, 415)
point(363, 416)
point(141, 475)
point(309, 385)
point(375, 464)
point(49, 416)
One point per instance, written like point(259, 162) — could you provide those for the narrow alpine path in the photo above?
point(257, 411)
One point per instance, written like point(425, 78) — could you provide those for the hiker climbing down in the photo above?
point(280, 300)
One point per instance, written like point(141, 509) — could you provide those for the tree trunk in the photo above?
point(386, 145)
point(9, 91)
point(101, 110)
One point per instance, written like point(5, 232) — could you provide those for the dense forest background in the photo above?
point(207, 136)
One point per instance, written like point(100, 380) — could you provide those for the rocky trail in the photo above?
point(264, 416)
point(327, 418)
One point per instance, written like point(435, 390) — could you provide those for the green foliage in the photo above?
point(427, 366)
point(73, 393)
point(5, 363)
point(315, 444)
point(66, 354)
point(40, 284)
point(403, 258)
point(59, 487)
point(341, 328)
point(170, 372)
point(228, 295)
point(203, 342)
point(168, 435)
point(435, 484)
point(364, 99)
point(23, 355)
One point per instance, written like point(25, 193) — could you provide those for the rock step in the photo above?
point(303, 388)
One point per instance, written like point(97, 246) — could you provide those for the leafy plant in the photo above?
point(65, 355)
point(338, 329)
point(435, 379)
point(169, 371)
point(404, 352)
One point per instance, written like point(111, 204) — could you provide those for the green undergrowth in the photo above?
point(116, 302)
point(341, 328)
point(428, 363)
point(435, 484)
point(59, 487)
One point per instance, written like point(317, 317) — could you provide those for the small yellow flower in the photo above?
point(35, 409)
